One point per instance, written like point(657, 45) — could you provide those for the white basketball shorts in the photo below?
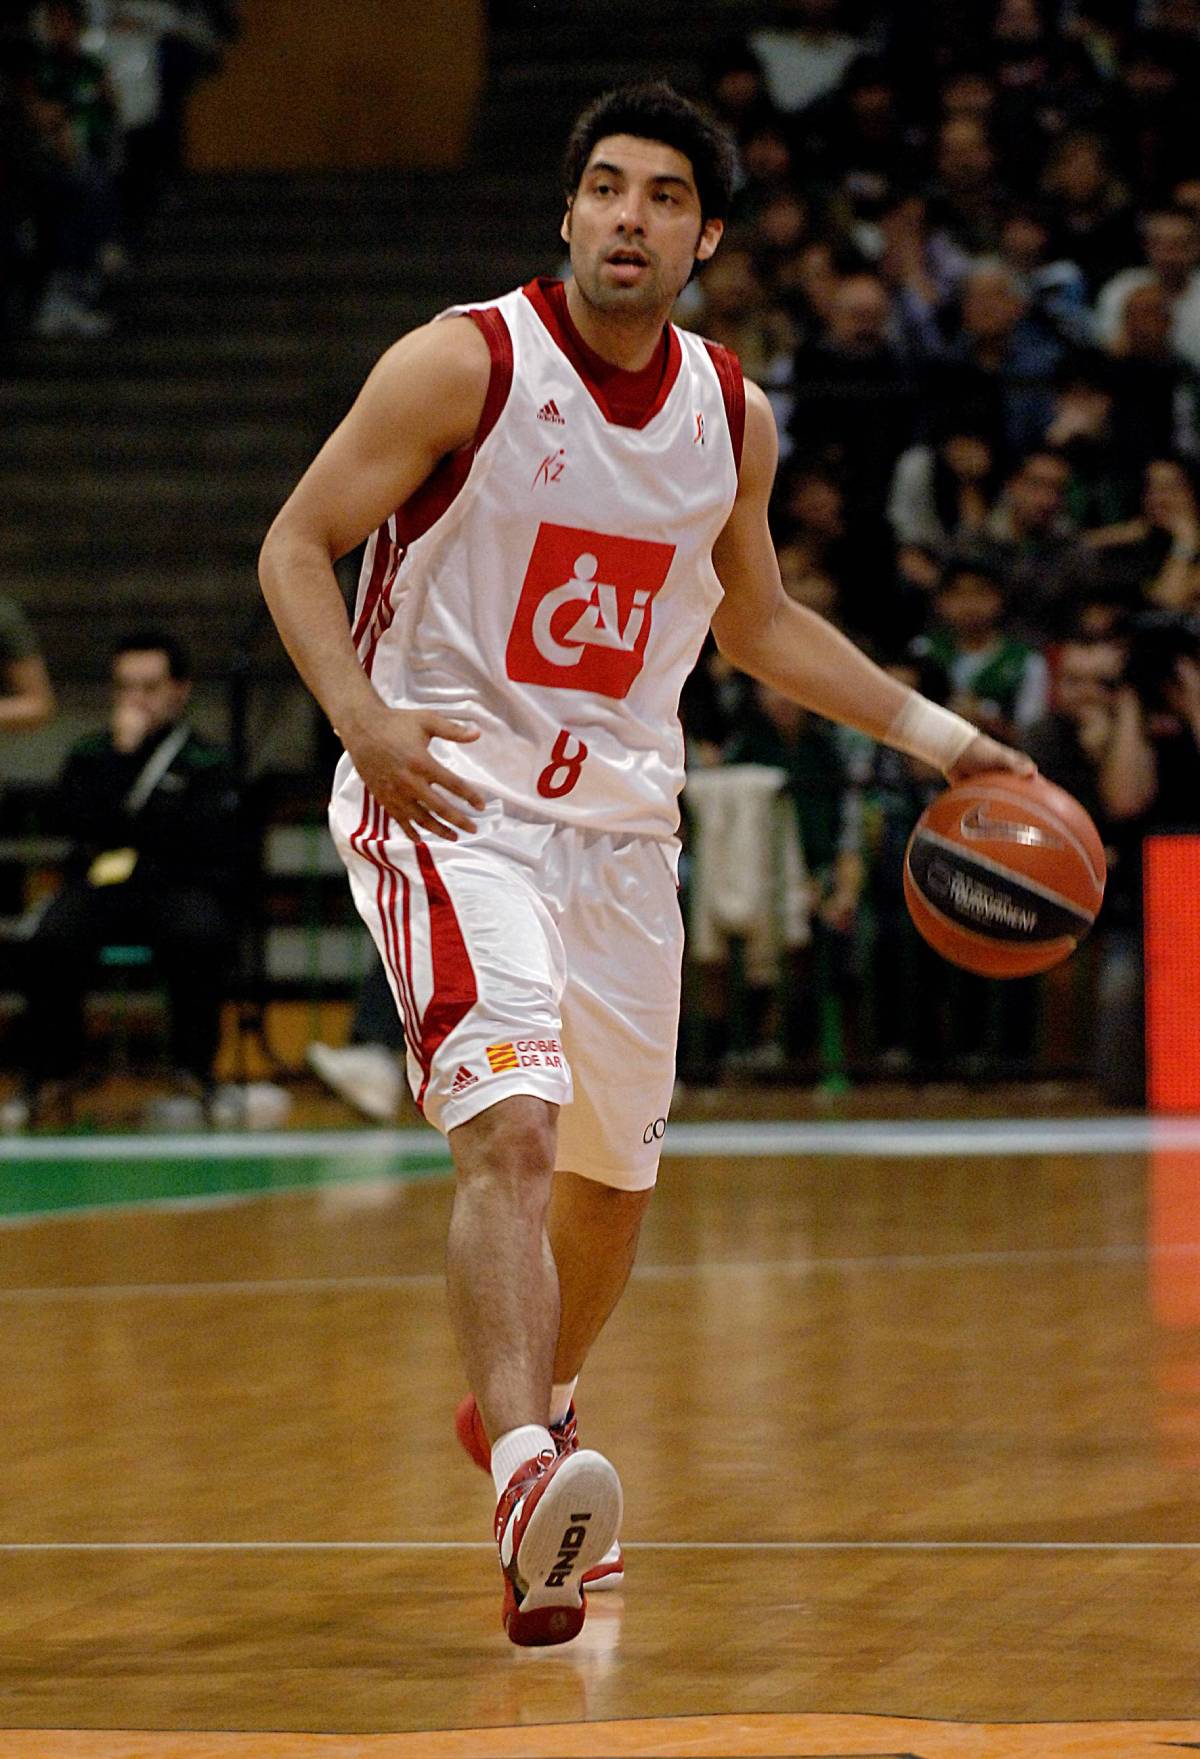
point(530, 957)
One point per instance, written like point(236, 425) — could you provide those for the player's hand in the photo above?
point(392, 756)
point(988, 754)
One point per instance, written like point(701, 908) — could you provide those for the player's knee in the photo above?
point(513, 1140)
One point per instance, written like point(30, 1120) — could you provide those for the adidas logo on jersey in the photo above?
point(463, 1080)
point(549, 412)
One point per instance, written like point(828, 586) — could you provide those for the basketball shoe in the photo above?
point(554, 1521)
point(609, 1573)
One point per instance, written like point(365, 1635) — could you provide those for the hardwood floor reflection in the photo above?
point(869, 1417)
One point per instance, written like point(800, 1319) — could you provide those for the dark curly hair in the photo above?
point(656, 111)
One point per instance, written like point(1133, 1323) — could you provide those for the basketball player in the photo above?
point(562, 491)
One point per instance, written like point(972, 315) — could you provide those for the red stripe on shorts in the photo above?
point(454, 989)
point(371, 847)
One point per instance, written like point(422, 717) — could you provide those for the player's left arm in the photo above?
point(763, 632)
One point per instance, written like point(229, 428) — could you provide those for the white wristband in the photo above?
point(935, 735)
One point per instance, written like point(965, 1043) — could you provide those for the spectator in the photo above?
point(767, 163)
point(65, 75)
point(1152, 114)
point(1171, 246)
point(1087, 431)
point(775, 731)
point(1055, 290)
point(154, 813)
point(807, 285)
point(1029, 539)
point(967, 198)
point(70, 128)
point(736, 88)
point(853, 391)
point(923, 270)
point(1068, 742)
point(193, 40)
point(940, 498)
point(1149, 782)
point(713, 705)
point(970, 92)
point(1153, 561)
point(805, 55)
point(1155, 391)
point(857, 146)
point(1001, 682)
point(855, 552)
point(807, 584)
point(26, 694)
point(909, 981)
point(996, 376)
point(1043, 83)
point(733, 310)
point(1089, 208)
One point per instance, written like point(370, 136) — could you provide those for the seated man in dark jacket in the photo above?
point(154, 812)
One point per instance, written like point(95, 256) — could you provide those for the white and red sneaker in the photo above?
point(555, 1520)
point(609, 1573)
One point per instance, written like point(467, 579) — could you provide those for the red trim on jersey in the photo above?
point(733, 390)
point(454, 989)
point(379, 562)
point(627, 400)
point(426, 505)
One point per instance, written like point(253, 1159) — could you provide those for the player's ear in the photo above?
point(710, 238)
point(564, 230)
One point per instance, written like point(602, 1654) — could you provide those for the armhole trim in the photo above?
point(733, 391)
point(426, 505)
point(492, 327)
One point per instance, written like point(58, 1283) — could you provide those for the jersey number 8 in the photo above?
point(562, 772)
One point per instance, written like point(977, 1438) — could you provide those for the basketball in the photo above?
point(1003, 874)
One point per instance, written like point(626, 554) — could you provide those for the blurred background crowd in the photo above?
point(93, 105)
point(964, 264)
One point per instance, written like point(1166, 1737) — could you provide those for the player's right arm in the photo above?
point(422, 401)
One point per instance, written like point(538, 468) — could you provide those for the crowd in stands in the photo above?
point(964, 264)
point(93, 99)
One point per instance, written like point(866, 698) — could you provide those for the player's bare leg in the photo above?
point(593, 1232)
point(558, 1513)
point(501, 1277)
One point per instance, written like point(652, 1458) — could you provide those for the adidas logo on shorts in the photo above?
point(463, 1080)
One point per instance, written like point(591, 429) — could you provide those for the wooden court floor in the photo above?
point(910, 1440)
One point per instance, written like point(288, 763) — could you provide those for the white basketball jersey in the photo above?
point(553, 582)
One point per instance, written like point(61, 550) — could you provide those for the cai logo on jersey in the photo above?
point(584, 615)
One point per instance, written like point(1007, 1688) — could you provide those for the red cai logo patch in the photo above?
point(583, 618)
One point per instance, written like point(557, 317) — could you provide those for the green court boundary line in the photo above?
point(900, 1137)
point(43, 1177)
point(77, 1186)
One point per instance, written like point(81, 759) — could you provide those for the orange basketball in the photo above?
point(1003, 875)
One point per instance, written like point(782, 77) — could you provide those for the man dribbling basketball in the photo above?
point(563, 491)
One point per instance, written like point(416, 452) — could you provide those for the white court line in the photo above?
point(1129, 1253)
point(893, 1138)
point(705, 1545)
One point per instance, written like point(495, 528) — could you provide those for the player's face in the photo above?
point(635, 227)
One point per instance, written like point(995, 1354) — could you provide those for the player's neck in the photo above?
point(626, 342)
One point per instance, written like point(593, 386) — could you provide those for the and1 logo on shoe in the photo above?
point(569, 1547)
point(584, 615)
